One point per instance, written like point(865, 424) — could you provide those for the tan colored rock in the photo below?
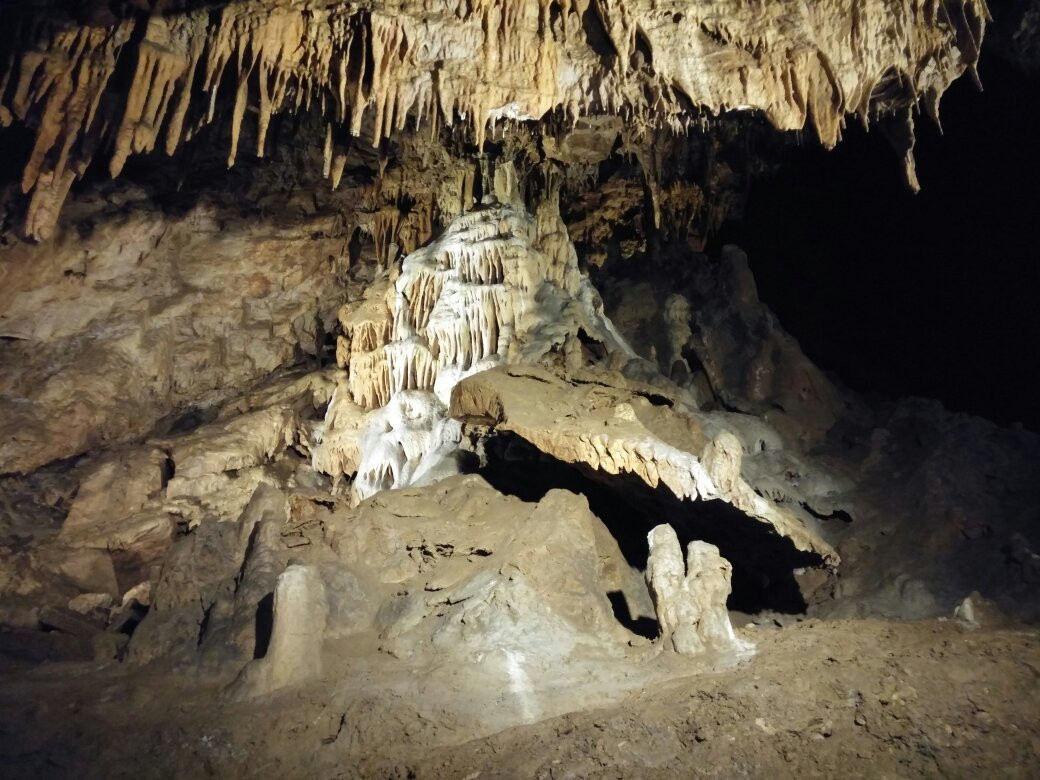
point(89, 603)
point(149, 319)
point(118, 510)
point(464, 569)
point(336, 445)
point(294, 654)
point(690, 596)
point(976, 611)
point(89, 570)
point(200, 568)
point(239, 443)
point(116, 487)
point(590, 423)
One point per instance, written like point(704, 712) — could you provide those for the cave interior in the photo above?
point(508, 388)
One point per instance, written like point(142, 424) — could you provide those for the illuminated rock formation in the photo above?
point(371, 68)
point(690, 597)
point(499, 286)
point(383, 399)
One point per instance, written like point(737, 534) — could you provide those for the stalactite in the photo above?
point(166, 62)
point(373, 68)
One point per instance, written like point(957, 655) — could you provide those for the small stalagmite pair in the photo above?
point(690, 597)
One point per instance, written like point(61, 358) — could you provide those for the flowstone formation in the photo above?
point(493, 329)
point(499, 286)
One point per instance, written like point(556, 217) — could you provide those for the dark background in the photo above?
point(935, 294)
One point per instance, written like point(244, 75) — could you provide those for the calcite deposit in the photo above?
point(370, 69)
point(378, 398)
point(499, 286)
point(690, 596)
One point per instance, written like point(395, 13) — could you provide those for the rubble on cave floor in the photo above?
point(819, 697)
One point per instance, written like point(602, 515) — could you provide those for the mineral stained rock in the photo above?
point(503, 287)
point(352, 449)
point(147, 320)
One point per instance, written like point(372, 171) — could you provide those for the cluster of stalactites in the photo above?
point(455, 304)
point(372, 67)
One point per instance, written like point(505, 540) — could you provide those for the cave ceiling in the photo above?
point(97, 83)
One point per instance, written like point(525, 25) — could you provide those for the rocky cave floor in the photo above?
point(505, 689)
point(862, 698)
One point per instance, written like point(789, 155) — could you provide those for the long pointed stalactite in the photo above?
point(152, 80)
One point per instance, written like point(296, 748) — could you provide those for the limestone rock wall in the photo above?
point(149, 316)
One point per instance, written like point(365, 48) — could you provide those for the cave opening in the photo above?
point(764, 563)
point(904, 294)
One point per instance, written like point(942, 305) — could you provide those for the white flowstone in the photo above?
point(499, 286)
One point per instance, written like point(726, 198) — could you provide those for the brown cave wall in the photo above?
point(184, 284)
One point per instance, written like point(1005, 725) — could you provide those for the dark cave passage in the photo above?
point(642, 625)
point(763, 562)
point(930, 294)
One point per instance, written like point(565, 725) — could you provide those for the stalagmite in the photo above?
point(293, 655)
point(690, 597)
